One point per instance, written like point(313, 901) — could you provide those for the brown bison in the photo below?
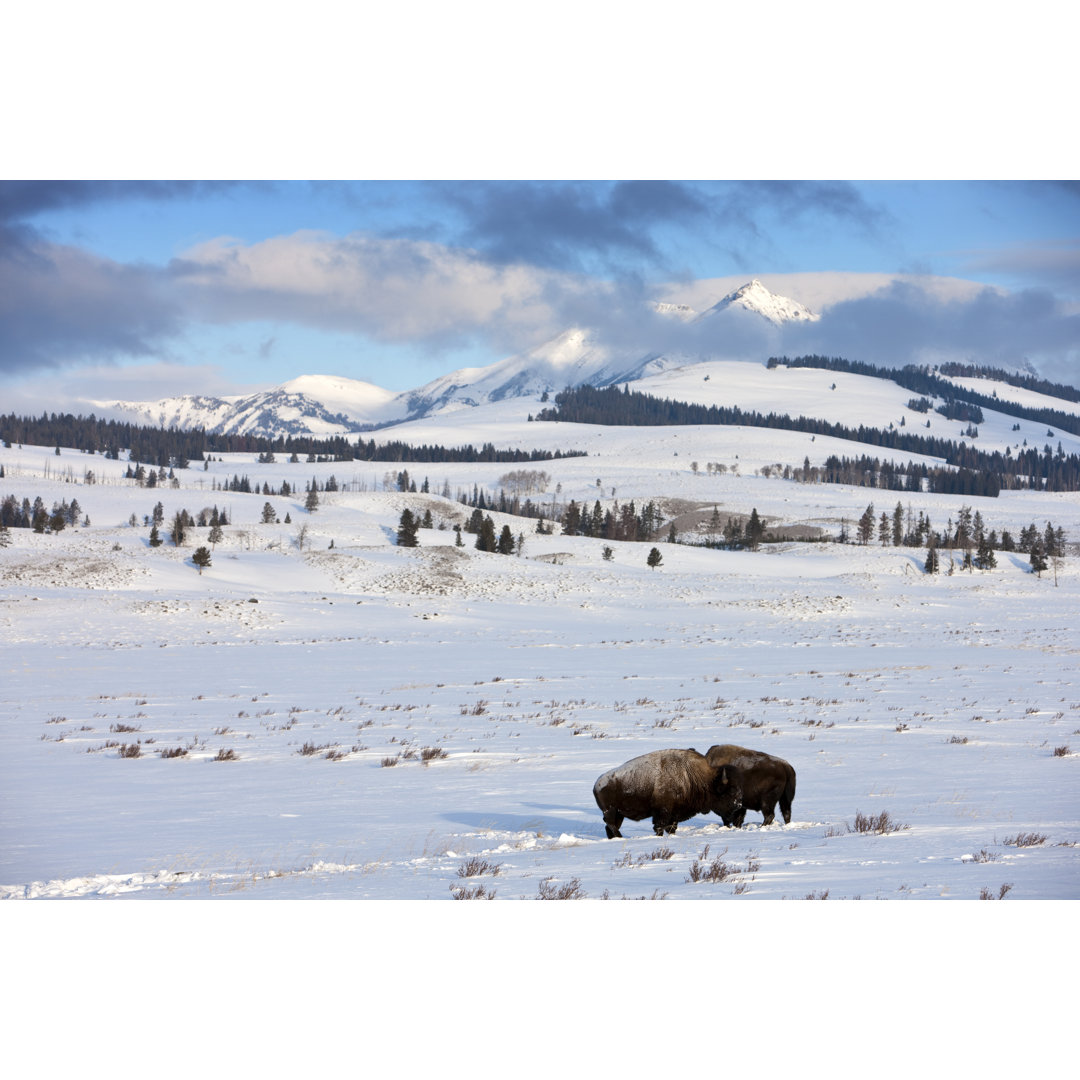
point(667, 785)
point(763, 781)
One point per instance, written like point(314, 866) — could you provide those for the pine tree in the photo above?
point(654, 558)
point(155, 538)
point(932, 565)
point(866, 525)
point(506, 541)
point(985, 558)
point(755, 530)
point(201, 558)
point(407, 526)
point(485, 540)
point(1038, 556)
point(179, 528)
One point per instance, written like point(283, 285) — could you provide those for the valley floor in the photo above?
point(369, 721)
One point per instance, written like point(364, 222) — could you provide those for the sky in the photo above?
point(137, 289)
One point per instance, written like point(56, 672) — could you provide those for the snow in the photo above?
point(939, 700)
point(755, 297)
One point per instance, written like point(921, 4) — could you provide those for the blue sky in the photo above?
point(142, 289)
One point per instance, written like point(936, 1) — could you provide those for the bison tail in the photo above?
point(788, 796)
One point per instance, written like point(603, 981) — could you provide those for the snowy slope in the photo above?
point(940, 700)
point(320, 405)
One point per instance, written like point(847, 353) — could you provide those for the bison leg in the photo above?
point(785, 809)
point(663, 825)
point(612, 821)
point(769, 814)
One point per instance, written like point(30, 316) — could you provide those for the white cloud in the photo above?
point(390, 289)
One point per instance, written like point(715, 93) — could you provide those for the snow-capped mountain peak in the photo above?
point(755, 297)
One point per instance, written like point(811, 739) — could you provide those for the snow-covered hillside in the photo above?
point(331, 405)
point(323, 714)
point(320, 405)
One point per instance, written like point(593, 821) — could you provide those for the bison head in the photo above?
point(726, 794)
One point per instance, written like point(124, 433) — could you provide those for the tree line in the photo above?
point(922, 380)
point(1046, 470)
point(176, 447)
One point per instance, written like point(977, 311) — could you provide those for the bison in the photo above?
point(667, 785)
point(763, 781)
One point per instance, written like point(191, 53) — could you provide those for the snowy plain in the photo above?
point(428, 723)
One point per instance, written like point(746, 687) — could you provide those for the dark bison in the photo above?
point(667, 785)
point(763, 781)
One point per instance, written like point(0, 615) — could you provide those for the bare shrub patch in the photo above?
point(475, 866)
point(570, 890)
point(1025, 839)
point(881, 824)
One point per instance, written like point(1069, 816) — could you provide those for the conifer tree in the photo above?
point(755, 530)
point(407, 526)
point(654, 558)
point(1038, 556)
point(931, 566)
point(985, 558)
point(485, 540)
point(201, 558)
point(866, 525)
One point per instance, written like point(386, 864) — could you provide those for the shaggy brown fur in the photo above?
point(764, 780)
point(667, 785)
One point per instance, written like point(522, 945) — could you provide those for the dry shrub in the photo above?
point(476, 892)
point(717, 870)
point(130, 750)
point(1025, 839)
point(226, 755)
point(176, 751)
point(881, 824)
point(474, 866)
point(571, 890)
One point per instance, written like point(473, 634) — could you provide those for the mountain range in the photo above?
point(325, 405)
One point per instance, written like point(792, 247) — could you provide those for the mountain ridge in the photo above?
point(327, 405)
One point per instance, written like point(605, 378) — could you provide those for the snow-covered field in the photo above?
point(428, 723)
